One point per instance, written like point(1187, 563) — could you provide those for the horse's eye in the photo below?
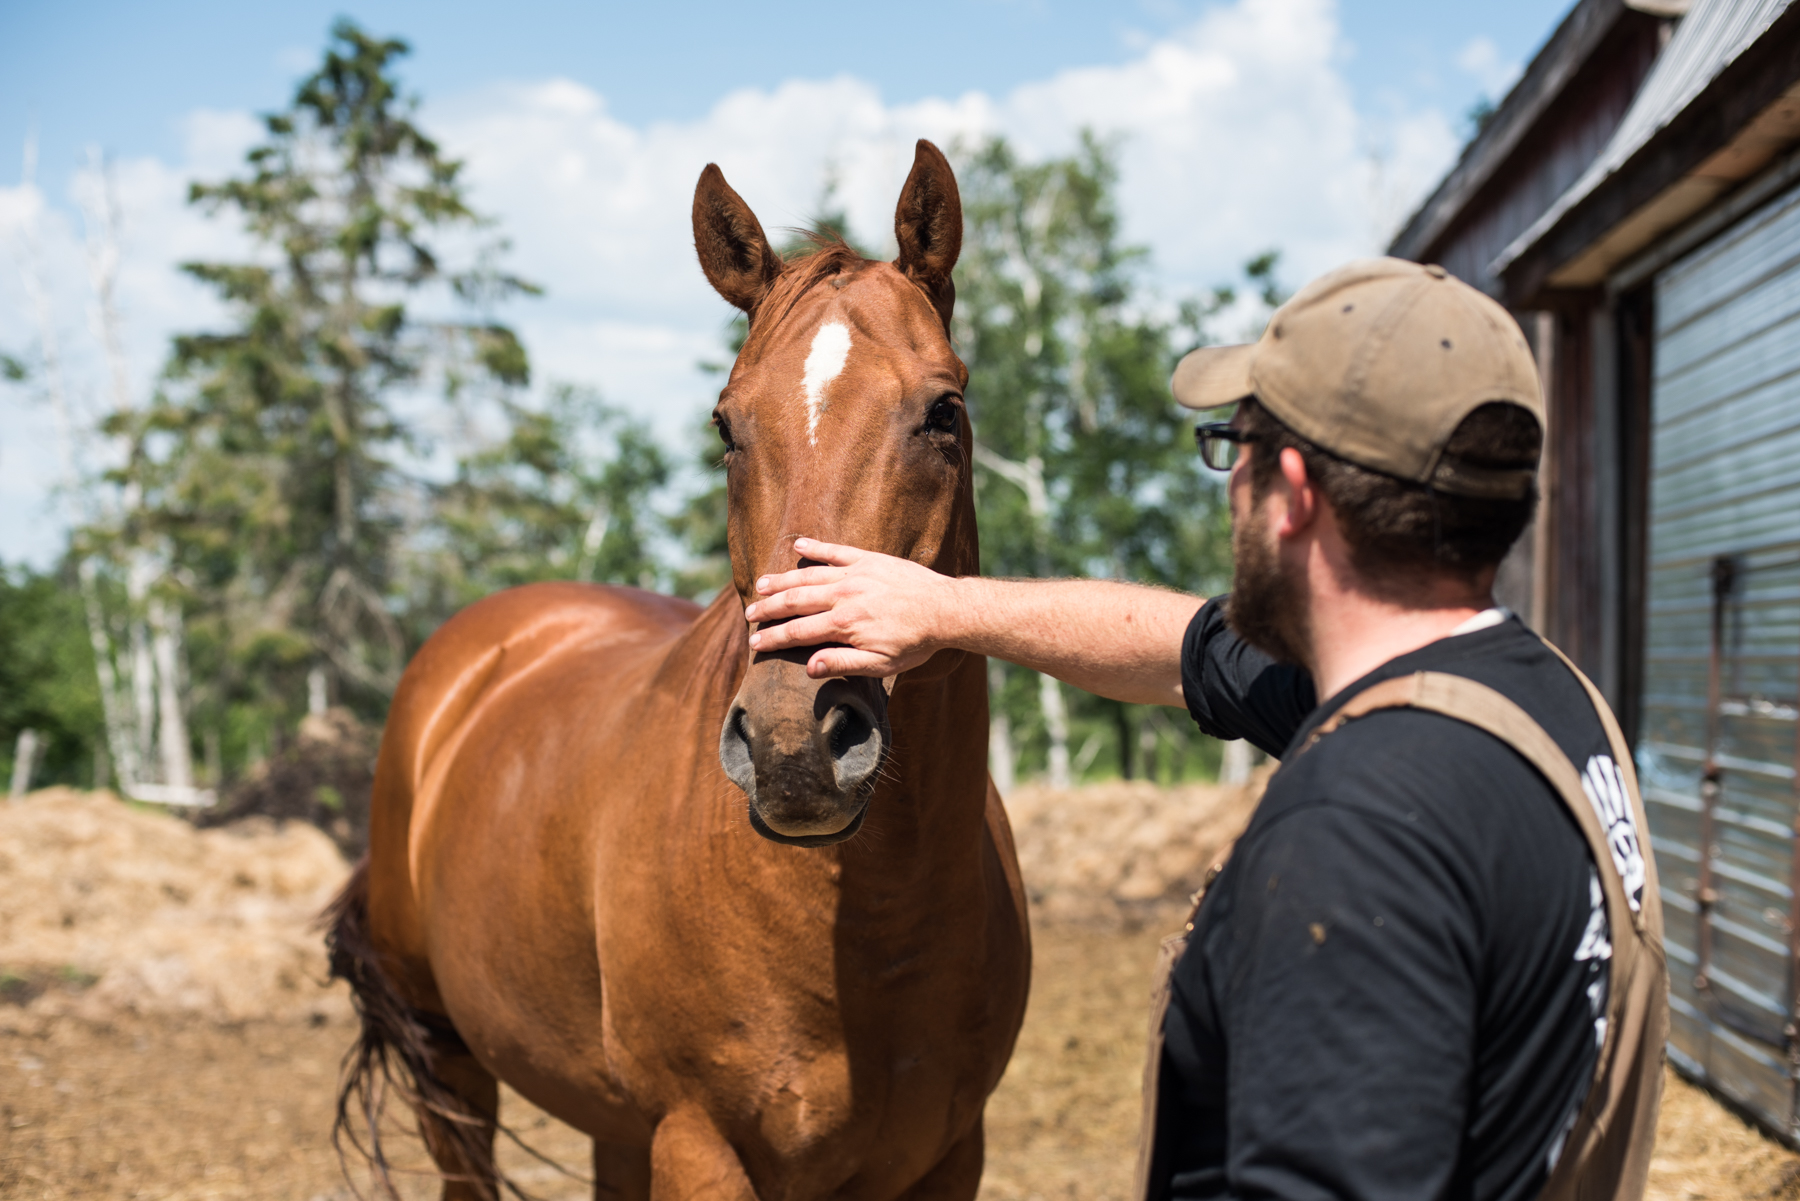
point(942, 416)
point(724, 428)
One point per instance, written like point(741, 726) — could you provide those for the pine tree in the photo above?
point(277, 462)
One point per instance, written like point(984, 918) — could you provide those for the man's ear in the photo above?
point(1300, 499)
point(734, 252)
point(928, 226)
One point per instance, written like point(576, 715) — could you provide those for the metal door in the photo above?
point(1717, 750)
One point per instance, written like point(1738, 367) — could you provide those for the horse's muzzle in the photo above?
point(806, 752)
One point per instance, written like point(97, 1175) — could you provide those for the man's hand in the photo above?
point(891, 612)
point(1114, 639)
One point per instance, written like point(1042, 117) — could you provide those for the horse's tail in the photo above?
point(395, 1051)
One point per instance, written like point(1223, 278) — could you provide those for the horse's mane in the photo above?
point(829, 255)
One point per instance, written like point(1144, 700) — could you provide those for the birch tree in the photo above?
point(125, 669)
point(1085, 466)
point(159, 764)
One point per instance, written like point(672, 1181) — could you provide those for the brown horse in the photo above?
point(758, 935)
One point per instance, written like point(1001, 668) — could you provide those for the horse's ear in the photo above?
point(734, 252)
point(928, 225)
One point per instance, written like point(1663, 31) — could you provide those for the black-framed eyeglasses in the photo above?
point(1218, 442)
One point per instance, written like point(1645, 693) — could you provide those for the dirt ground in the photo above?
point(153, 1091)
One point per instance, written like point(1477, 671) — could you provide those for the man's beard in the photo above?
point(1265, 608)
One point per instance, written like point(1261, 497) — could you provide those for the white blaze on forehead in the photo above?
point(824, 363)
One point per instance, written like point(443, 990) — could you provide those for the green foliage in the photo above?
point(700, 525)
point(13, 369)
point(1086, 467)
point(1068, 384)
point(564, 495)
point(1480, 116)
point(47, 680)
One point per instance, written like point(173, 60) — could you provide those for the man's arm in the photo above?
point(1114, 639)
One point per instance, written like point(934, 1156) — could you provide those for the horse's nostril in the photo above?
point(734, 751)
point(845, 729)
point(855, 743)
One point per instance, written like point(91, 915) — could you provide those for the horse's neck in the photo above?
point(926, 818)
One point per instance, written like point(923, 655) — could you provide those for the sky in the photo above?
point(1312, 126)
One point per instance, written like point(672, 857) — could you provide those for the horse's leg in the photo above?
point(621, 1172)
point(955, 1177)
point(690, 1160)
point(462, 1145)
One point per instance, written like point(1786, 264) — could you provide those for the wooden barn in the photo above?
point(1635, 201)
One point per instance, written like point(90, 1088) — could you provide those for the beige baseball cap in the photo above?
point(1378, 362)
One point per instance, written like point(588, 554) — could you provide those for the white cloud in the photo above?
point(296, 59)
point(158, 230)
point(1481, 60)
point(1235, 135)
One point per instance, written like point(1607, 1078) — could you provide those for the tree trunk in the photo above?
point(1056, 723)
point(112, 705)
point(316, 702)
point(24, 754)
point(121, 739)
point(1122, 722)
point(157, 731)
point(141, 665)
point(172, 731)
point(1235, 764)
point(1001, 758)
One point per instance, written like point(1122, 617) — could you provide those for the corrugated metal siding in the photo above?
point(1725, 485)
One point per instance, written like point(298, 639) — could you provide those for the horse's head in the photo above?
point(843, 420)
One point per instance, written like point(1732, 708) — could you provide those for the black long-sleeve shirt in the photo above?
point(1395, 988)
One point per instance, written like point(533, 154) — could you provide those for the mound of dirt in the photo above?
point(1126, 852)
point(106, 908)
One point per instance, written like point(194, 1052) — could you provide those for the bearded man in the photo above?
point(1432, 966)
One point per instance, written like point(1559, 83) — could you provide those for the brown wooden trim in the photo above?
point(1571, 511)
point(1757, 79)
point(1538, 89)
point(1635, 316)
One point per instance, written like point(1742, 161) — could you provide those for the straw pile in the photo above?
point(1125, 852)
point(105, 908)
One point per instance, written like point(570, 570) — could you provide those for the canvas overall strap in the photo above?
point(1167, 956)
point(1606, 1155)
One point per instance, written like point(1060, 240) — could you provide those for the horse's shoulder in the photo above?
point(538, 617)
point(509, 632)
point(580, 603)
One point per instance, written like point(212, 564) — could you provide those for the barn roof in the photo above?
point(1578, 37)
point(1714, 36)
